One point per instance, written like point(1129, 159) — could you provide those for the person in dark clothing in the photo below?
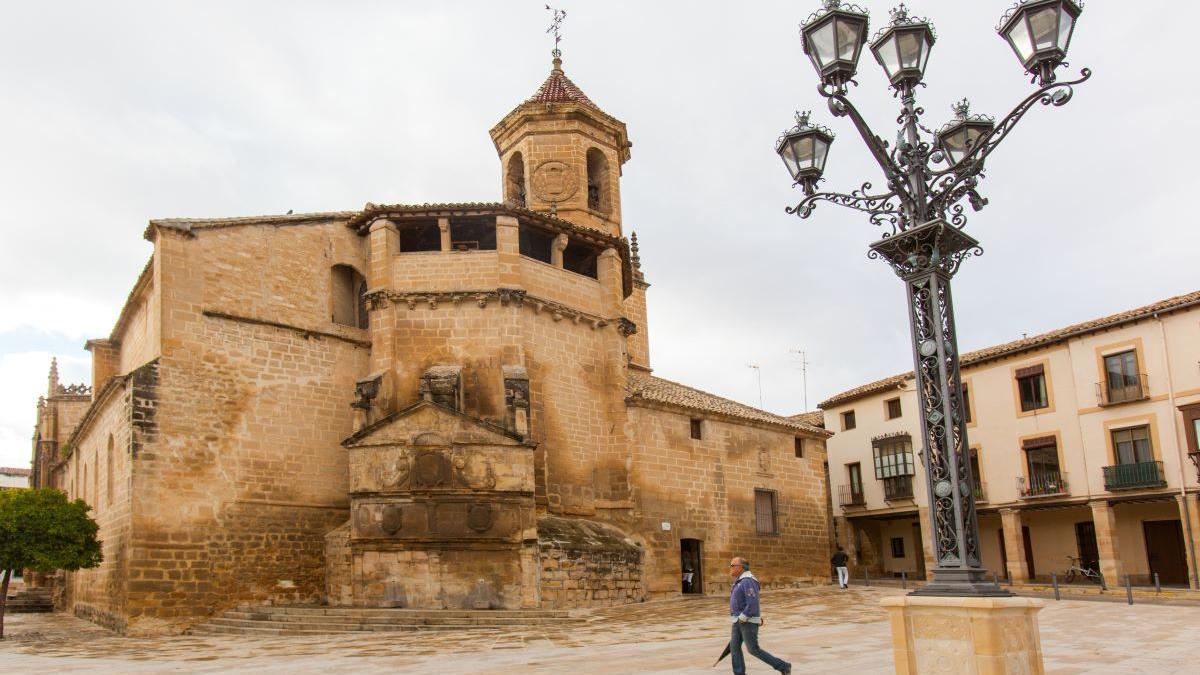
point(746, 618)
point(839, 561)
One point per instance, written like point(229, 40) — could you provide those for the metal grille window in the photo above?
point(1031, 383)
point(1132, 445)
point(697, 430)
point(765, 511)
point(893, 457)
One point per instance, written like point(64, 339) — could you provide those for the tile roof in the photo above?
point(13, 471)
point(1015, 347)
point(646, 387)
point(815, 418)
point(558, 88)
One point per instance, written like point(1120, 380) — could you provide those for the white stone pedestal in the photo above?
point(977, 636)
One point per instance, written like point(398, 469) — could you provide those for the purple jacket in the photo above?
point(743, 597)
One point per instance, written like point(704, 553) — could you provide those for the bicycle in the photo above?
point(1077, 570)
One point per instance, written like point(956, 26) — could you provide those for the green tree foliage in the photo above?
point(41, 530)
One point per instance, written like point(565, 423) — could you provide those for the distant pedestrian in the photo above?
point(839, 561)
point(746, 618)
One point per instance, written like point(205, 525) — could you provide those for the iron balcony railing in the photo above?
point(850, 496)
point(1111, 393)
point(1129, 476)
point(897, 487)
point(980, 491)
point(1043, 484)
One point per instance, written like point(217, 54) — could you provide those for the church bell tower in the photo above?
point(561, 154)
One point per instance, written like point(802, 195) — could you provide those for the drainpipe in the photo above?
point(1187, 515)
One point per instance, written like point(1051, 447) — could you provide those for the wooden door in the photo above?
point(1164, 549)
point(1028, 552)
point(1085, 540)
point(1003, 554)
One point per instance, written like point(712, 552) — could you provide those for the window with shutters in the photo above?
point(765, 512)
point(1031, 386)
point(697, 429)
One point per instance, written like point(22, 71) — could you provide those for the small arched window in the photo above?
point(514, 180)
point(598, 181)
point(348, 290)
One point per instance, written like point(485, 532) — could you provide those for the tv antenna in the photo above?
point(803, 373)
point(759, 371)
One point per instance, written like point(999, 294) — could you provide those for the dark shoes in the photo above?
point(787, 670)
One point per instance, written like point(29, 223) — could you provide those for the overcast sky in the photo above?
point(118, 112)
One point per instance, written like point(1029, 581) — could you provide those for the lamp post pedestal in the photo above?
point(926, 257)
point(965, 635)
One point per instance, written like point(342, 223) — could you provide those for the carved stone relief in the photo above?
point(480, 518)
point(553, 181)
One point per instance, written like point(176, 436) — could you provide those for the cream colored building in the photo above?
point(1083, 442)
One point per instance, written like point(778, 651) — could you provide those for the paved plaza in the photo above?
point(818, 630)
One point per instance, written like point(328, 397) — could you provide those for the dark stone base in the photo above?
point(971, 583)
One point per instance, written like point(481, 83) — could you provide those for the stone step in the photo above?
point(415, 619)
point(236, 627)
point(316, 610)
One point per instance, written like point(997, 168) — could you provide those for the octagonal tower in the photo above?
point(560, 153)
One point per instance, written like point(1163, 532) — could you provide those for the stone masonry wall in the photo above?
point(705, 490)
point(587, 564)
point(244, 476)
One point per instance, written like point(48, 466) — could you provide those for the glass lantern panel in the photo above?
point(849, 38)
point(803, 149)
point(887, 54)
point(1065, 23)
point(821, 40)
point(1044, 25)
point(1018, 36)
point(822, 150)
point(955, 144)
point(911, 45)
point(789, 158)
point(926, 48)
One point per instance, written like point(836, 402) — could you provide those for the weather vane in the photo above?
point(555, 27)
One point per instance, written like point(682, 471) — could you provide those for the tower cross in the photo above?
point(556, 28)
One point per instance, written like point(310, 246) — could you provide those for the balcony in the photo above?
point(1112, 394)
point(1043, 484)
point(897, 488)
point(1132, 476)
point(980, 492)
point(851, 497)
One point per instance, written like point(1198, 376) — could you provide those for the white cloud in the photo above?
point(24, 377)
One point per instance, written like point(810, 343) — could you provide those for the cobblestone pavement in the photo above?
point(821, 630)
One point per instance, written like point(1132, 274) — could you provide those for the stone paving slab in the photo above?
point(823, 630)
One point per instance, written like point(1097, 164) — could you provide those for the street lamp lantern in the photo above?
point(960, 136)
point(833, 39)
point(902, 48)
point(803, 149)
point(1039, 31)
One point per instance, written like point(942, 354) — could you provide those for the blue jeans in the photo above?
point(748, 633)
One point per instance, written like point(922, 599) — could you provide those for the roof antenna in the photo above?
point(556, 29)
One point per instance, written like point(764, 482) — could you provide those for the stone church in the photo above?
point(423, 406)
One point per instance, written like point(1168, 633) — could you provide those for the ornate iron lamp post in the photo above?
point(923, 214)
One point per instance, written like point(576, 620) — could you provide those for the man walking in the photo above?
point(839, 561)
point(746, 618)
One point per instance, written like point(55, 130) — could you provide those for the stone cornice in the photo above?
point(306, 332)
point(503, 297)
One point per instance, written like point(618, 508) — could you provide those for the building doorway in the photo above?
point(1028, 551)
point(690, 566)
point(1164, 550)
point(919, 549)
point(1085, 539)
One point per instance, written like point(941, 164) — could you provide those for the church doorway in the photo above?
point(691, 574)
